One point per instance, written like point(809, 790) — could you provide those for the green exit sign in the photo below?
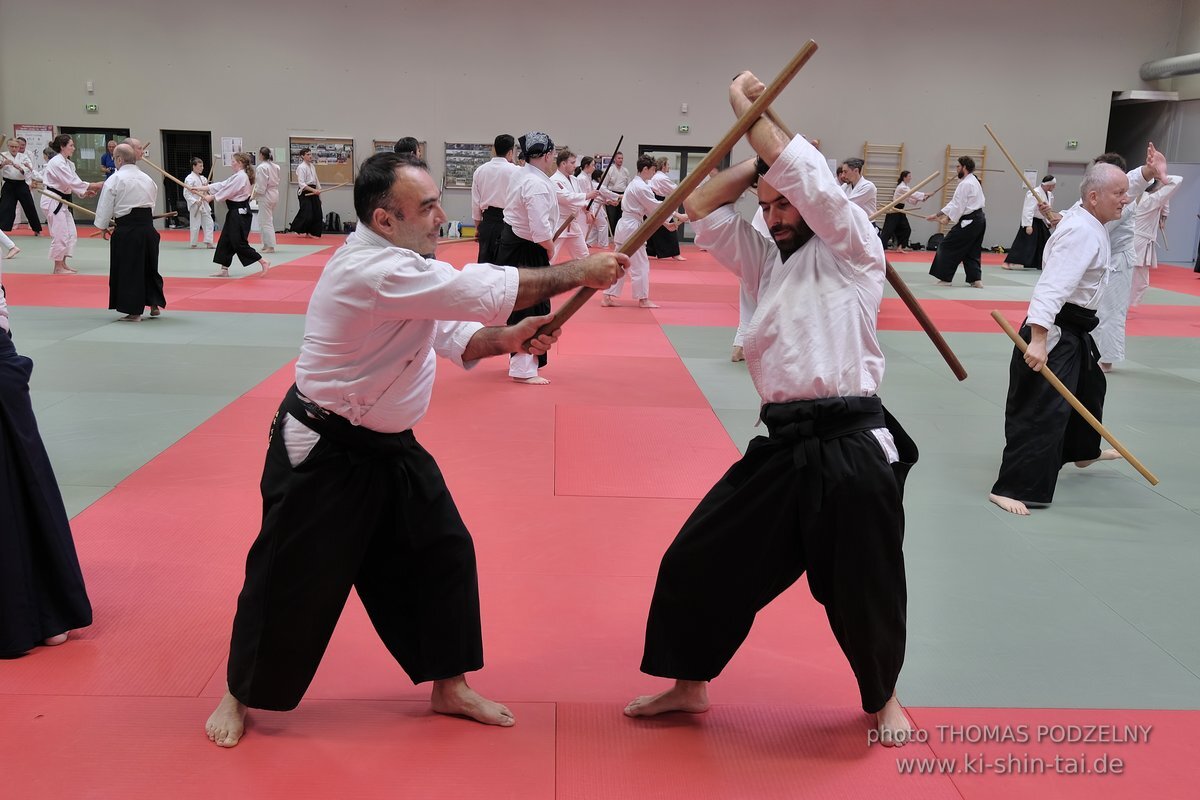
point(91, 108)
point(684, 128)
point(1072, 144)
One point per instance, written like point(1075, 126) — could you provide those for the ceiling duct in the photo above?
point(1171, 67)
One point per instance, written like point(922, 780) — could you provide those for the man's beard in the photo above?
point(800, 236)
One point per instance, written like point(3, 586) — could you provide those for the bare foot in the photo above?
point(221, 273)
point(1010, 505)
point(55, 641)
point(1010, 266)
point(894, 728)
point(1105, 455)
point(453, 696)
point(689, 696)
point(209, 246)
point(130, 318)
point(227, 724)
point(264, 265)
point(13, 252)
point(608, 301)
point(191, 246)
point(1105, 366)
point(738, 354)
point(679, 258)
point(155, 311)
point(976, 284)
point(65, 270)
point(943, 283)
point(536, 380)
point(645, 302)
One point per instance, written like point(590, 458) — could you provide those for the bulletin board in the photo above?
point(462, 159)
point(389, 146)
point(333, 158)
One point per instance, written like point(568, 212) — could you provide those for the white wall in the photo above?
point(923, 72)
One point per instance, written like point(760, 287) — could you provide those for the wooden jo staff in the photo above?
point(67, 203)
point(108, 231)
point(693, 179)
point(890, 207)
point(1016, 169)
point(574, 214)
point(1075, 404)
point(905, 293)
point(168, 175)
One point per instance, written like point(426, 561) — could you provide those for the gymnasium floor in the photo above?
point(1052, 626)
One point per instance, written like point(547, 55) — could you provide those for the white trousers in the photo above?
point(200, 216)
point(6, 242)
point(747, 305)
point(1141, 282)
point(522, 365)
point(62, 230)
point(1112, 311)
point(266, 222)
point(569, 247)
point(597, 234)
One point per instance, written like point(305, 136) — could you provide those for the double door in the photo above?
point(90, 145)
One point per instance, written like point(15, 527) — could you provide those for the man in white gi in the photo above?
point(861, 192)
point(637, 203)
point(617, 180)
point(199, 213)
point(350, 499)
point(822, 492)
point(571, 204)
point(1041, 430)
point(16, 168)
point(127, 201)
point(489, 191)
point(964, 243)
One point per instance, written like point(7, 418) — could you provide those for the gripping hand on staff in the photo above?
point(1036, 354)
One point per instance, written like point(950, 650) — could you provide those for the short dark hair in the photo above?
point(855, 163)
point(597, 174)
point(967, 162)
point(305, 151)
point(59, 142)
point(408, 144)
point(504, 144)
point(645, 160)
point(563, 155)
point(373, 185)
point(1116, 159)
point(197, 160)
point(265, 152)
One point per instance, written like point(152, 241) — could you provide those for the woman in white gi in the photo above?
point(235, 235)
point(637, 204)
point(266, 192)
point(1148, 214)
point(199, 214)
point(664, 243)
point(61, 179)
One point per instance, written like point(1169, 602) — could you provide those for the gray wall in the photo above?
point(925, 72)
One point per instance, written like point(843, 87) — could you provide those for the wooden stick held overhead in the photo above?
point(906, 295)
point(693, 179)
point(1075, 404)
point(1016, 169)
point(892, 205)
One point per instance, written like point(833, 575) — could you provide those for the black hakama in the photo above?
point(41, 587)
point(1041, 430)
point(961, 246)
point(614, 215)
point(1027, 248)
point(235, 236)
point(816, 496)
point(365, 510)
point(517, 252)
point(11, 193)
point(896, 224)
point(663, 243)
point(310, 218)
point(488, 233)
point(133, 278)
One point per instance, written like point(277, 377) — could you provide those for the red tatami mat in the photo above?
point(639, 452)
point(139, 749)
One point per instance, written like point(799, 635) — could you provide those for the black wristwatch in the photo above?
point(760, 166)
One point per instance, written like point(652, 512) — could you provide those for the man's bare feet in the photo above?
point(209, 246)
point(678, 258)
point(130, 318)
point(1010, 266)
point(943, 283)
point(13, 252)
point(1105, 455)
point(55, 641)
point(1010, 505)
point(646, 302)
point(536, 380)
point(65, 270)
point(608, 301)
point(453, 696)
point(155, 311)
point(264, 265)
point(738, 353)
point(976, 284)
point(689, 696)
point(221, 273)
point(227, 724)
point(892, 723)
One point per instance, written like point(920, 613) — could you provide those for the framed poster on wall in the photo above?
point(37, 139)
point(333, 158)
point(462, 159)
point(389, 145)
